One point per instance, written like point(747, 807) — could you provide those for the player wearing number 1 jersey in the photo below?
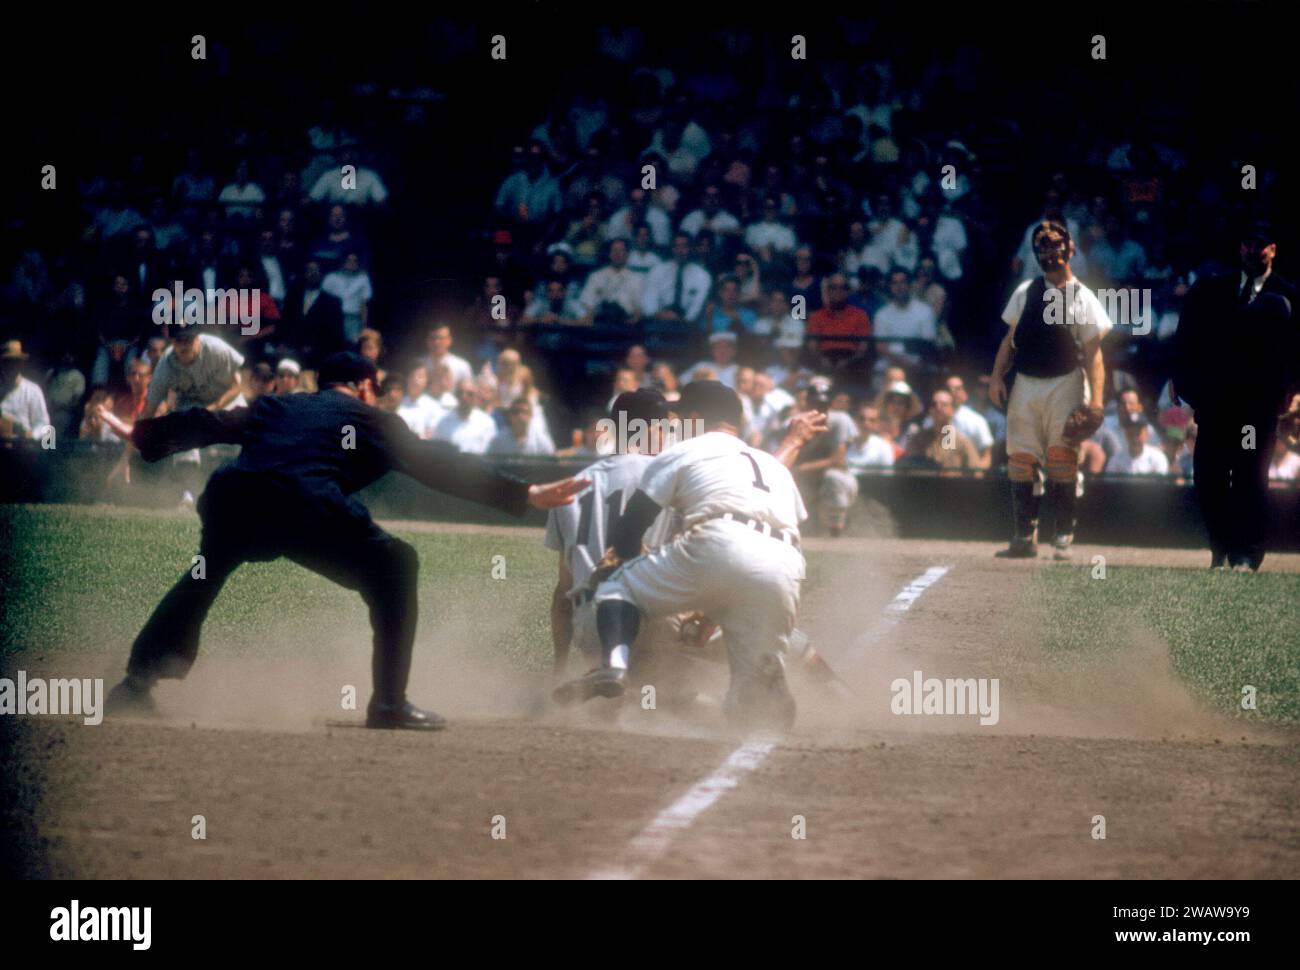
point(737, 560)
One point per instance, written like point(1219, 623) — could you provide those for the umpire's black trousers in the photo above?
point(250, 517)
point(1231, 481)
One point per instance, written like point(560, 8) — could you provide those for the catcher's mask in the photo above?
point(1052, 244)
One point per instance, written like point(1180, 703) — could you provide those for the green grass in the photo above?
point(83, 580)
point(77, 579)
point(1223, 630)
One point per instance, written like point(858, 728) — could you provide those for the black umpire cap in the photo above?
point(713, 401)
point(346, 367)
point(645, 403)
point(1260, 229)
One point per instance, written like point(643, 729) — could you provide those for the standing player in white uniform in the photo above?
point(1055, 326)
point(737, 561)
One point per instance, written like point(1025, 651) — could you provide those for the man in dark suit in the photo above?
point(312, 320)
point(289, 493)
point(1234, 360)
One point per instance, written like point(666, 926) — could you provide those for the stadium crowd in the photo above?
point(816, 244)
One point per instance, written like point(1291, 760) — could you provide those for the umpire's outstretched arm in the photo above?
point(444, 468)
point(192, 428)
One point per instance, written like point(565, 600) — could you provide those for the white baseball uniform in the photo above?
point(1038, 406)
point(737, 559)
point(581, 532)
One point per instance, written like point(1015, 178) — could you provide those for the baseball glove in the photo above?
point(603, 570)
point(1083, 423)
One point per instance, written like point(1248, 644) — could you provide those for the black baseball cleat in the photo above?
point(1019, 549)
point(601, 682)
point(130, 698)
point(403, 717)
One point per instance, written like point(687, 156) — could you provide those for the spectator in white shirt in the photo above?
point(613, 293)
point(768, 402)
point(351, 284)
point(722, 360)
point(676, 290)
point(949, 244)
point(23, 413)
point(466, 426)
point(521, 436)
point(967, 420)
point(641, 259)
point(904, 317)
point(1138, 456)
point(437, 341)
point(623, 223)
point(770, 235)
point(778, 320)
point(889, 241)
point(361, 186)
point(869, 449)
point(420, 412)
point(243, 196)
point(711, 217)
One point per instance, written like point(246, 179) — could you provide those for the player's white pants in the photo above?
point(1037, 411)
point(747, 582)
point(839, 489)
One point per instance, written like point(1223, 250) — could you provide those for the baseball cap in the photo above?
point(290, 366)
point(711, 400)
point(644, 403)
point(722, 335)
point(345, 367)
point(899, 387)
point(1260, 229)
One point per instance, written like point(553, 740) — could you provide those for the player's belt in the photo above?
point(784, 535)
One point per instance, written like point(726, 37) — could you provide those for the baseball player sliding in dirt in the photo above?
point(580, 532)
point(290, 493)
point(737, 561)
point(1055, 328)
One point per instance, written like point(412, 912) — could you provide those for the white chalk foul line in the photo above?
point(677, 817)
point(655, 838)
point(913, 590)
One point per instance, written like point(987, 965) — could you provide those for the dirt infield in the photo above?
point(1185, 792)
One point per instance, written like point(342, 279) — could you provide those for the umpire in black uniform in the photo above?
point(289, 493)
point(1234, 360)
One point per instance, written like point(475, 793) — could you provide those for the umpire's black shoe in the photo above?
point(130, 698)
point(402, 717)
point(601, 682)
